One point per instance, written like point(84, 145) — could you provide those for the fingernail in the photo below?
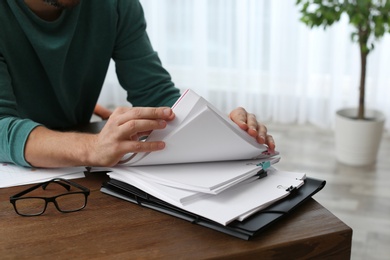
point(167, 111)
point(262, 137)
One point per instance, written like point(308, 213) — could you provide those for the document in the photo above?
point(13, 175)
point(252, 223)
point(208, 177)
point(199, 133)
point(210, 168)
point(236, 203)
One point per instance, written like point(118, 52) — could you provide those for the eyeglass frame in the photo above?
point(59, 181)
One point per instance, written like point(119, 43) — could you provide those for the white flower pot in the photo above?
point(357, 141)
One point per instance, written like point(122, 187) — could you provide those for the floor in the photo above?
point(359, 196)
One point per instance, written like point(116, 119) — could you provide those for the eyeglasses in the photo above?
point(67, 202)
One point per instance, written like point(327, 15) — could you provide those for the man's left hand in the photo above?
point(248, 122)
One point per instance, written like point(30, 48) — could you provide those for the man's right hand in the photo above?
point(123, 130)
point(120, 135)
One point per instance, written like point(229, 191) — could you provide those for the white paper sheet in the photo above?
point(12, 175)
point(199, 133)
point(208, 177)
point(238, 202)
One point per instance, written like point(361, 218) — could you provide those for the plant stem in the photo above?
point(363, 65)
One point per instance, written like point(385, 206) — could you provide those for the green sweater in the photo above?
point(51, 73)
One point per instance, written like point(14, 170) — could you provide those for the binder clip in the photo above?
point(137, 199)
point(291, 188)
point(264, 165)
point(196, 220)
point(261, 174)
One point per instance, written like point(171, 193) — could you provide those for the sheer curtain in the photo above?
point(257, 54)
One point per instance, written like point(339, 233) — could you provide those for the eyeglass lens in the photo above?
point(30, 206)
point(70, 202)
point(65, 203)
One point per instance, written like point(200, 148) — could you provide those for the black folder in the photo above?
point(246, 229)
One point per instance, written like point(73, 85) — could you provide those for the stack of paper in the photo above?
point(210, 167)
point(199, 133)
point(12, 175)
point(193, 192)
point(191, 180)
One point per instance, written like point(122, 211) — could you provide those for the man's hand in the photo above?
point(120, 135)
point(123, 130)
point(102, 112)
point(249, 123)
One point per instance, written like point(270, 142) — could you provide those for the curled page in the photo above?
point(199, 133)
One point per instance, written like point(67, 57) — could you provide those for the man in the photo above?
point(54, 56)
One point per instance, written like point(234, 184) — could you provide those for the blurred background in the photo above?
point(257, 54)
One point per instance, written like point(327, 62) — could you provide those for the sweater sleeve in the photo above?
point(14, 131)
point(138, 66)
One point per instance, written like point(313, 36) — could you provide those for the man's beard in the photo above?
point(62, 4)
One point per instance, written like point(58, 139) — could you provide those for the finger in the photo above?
point(239, 116)
point(102, 112)
point(134, 138)
point(143, 134)
point(262, 133)
point(123, 114)
point(139, 127)
point(271, 143)
point(140, 136)
point(139, 146)
point(253, 125)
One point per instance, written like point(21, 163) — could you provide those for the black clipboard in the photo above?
point(246, 229)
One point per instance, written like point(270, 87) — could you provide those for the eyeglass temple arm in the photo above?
point(74, 184)
point(66, 186)
point(44, 185)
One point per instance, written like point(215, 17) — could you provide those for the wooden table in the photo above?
point(111, 228)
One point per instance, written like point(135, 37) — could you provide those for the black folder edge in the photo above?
point(246, 229)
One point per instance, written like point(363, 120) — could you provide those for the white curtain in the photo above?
point(257, 54)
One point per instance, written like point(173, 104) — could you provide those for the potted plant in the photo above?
point(370, 20)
